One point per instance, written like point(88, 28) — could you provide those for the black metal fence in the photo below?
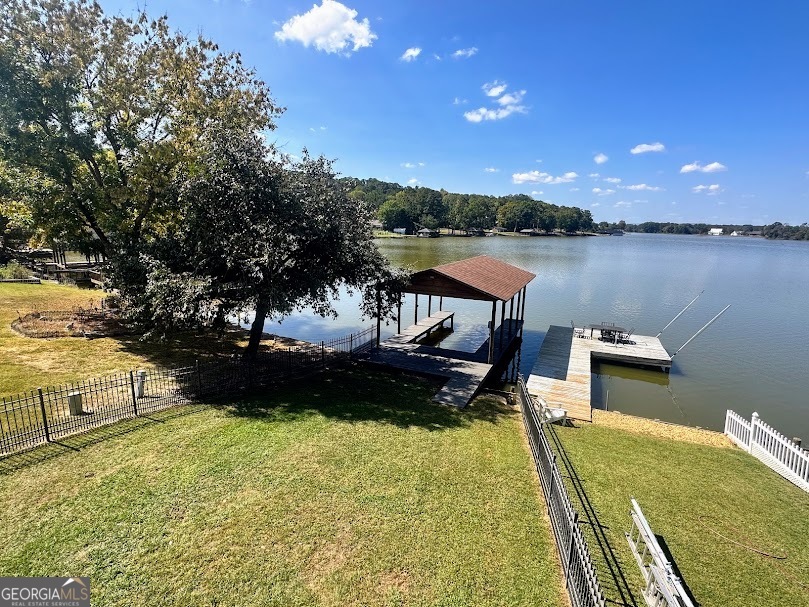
point(49, 414)
point(580, 573)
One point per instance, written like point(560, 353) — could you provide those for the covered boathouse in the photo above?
point(481, 278)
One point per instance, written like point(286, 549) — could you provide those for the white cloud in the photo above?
point(539, 177)
point(491, 170)
point(314, 130)
point(483, 113)
point(413, 181)
point(594, 175)
point(494, 89)
point(696, 167)
point(331, 27)
point(711, 190)
point(600, 158)
point(412, 165)
point(465, 53)
point(574, 189)
point(411, 54)
point(459, 101)
point(622, 204)
point(510, 103)
point(596, 204)
point(601, 192)
point(511, 98)
point(642, 187)
point(537, 193)
point(612, 179)
point(642, 148)
point(436, 56)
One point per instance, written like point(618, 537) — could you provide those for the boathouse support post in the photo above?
point(416, 313)
point(399, 315)
point(429, 305)
point(519, 298)
point(522, 315)
point(502, 322)
point(491, 332)
point(511, 317)
point(440, 303)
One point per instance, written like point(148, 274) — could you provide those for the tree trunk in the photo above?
point(256, 330)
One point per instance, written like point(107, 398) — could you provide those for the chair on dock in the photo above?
point(624, 337)
point(578, 332)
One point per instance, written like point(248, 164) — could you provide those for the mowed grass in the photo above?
point(350, 489)
point(691, 494)
point(27, 363)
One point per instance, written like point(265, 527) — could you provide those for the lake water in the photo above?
point(754, 358)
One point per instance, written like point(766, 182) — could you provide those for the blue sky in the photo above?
point(713, 97)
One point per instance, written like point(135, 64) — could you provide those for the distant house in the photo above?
point(401, 231)
point(735, 233)
point(529, 232)
point(427, 233)
point(716, 231)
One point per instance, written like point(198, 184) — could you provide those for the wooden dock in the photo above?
point(562, 373)
point(465, 372)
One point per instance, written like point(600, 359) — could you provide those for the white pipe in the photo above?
point(701, 330)
point(680, 314)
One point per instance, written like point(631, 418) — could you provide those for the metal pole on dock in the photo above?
point(399, 316)
point(701, 330)
point(416, 317)
point(680, 314)
point(429, 305)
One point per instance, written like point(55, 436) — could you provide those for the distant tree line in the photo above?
point(413, 208)
point(781, 231)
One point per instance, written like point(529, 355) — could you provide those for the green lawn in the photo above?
point(28, 363)
point(690, 493)
point(350, 489)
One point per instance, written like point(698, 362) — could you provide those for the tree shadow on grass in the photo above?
point(348, 395)
point(358, 395)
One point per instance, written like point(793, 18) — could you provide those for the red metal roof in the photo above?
point(493, 278)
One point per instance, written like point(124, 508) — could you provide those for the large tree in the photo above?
point(103, 110)
point(265, 235)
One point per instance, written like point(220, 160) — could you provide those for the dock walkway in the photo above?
point(465, 371)
point(562, 373)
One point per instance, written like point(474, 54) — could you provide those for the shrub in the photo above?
point(14, 270)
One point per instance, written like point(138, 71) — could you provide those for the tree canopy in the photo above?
point(121, 134)
point(100, 111)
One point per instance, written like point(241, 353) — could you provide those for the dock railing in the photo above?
point(770, 446)
point(46, 415)
point(663, 588)
point(580, 575)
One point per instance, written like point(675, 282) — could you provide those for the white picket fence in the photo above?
point(770, 446)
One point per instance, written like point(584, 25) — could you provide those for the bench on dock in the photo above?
point(423, 327)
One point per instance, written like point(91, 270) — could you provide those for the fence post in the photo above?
point(44, 417)
point(199, 378)
point(753, 424)
point(134, 398)
point(350, 346)
point(571, 546)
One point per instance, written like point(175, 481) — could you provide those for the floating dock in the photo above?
point(562, 373)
